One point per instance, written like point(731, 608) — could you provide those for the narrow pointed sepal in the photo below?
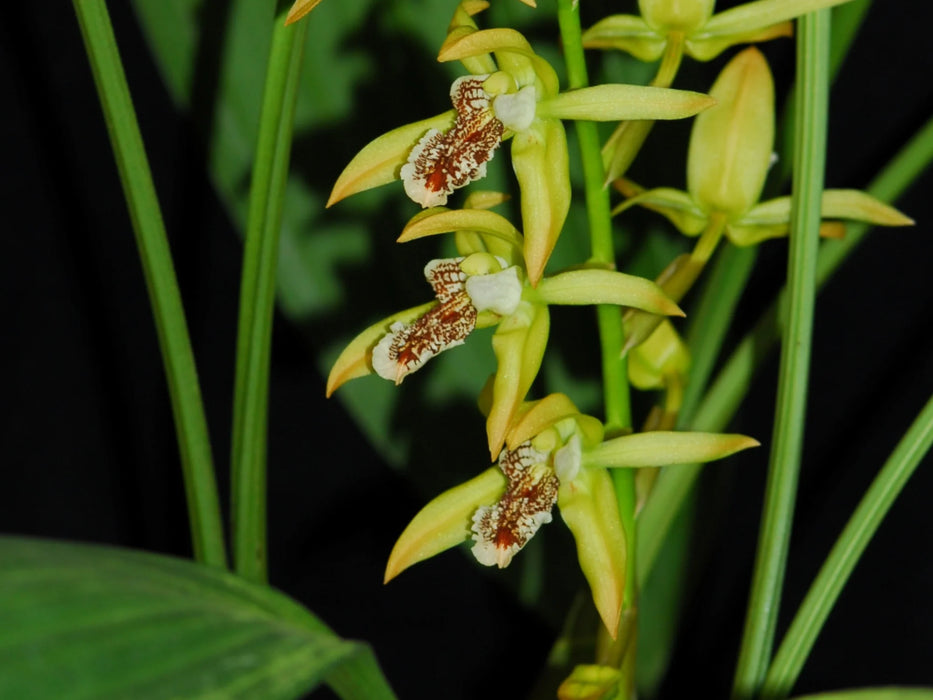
point(706, 48)
point(664, 448)
point(626, 33)
point(518, 343)
point(752, 16)
point(445, 522)
point(676, 205)
point(615, 102)
point(439, 220)
point(577, 287)
point(771, 219)
point(542, 167)
point(589, 508)
point(300, 9)
point(537, 416)
point(381, 160)
point(356, 359)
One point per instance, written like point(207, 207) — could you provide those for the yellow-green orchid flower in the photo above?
point(485, 286)
point(667, 29)
point(692, 26)
point(511, 92)
point(553, 455)
point(731, 150)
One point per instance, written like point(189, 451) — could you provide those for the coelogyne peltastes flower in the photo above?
point(553, 455)
point(511, 92)
point(486, 285)
point(730, 152)
point(668, 29)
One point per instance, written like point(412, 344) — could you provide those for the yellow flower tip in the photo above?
point(445, 522)
point(299, 10)
point(530, 3)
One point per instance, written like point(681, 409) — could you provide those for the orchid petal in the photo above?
point(759, 14)
point(444, 522)
point(676, 205)
point(518, 344)
point(576, 287)
point(626, 33)
point(709, 48)
point(300, 9)
point(380, 161)
point(462, 24)
point(663, 448)
point(540, 415)
point(589, 508)
point(541, 165)
point(356, 359)
point(439, 220)
point(616, 102)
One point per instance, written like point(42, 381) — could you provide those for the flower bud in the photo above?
point(676, 15)
point(731, 143)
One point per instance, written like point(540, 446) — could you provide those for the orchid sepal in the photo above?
point(356, 359)
point(588, 506)
point(616, 102)
point(380, 161)
point(592, 286)
point(444, 522)
point(665, 448)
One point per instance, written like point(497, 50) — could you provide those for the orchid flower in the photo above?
point(553, 455)
point(730, 152)
point(668, 29)
point(486, 285)
point(510, 93)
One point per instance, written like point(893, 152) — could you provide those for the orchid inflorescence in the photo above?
point(546, 452)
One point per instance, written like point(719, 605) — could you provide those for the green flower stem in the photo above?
point(731, 384)
point(257, 299)
point(845, 554)
point(615, 377)
point(787, 440)
point(711, 320)
point(190, 424)
point(846, 22)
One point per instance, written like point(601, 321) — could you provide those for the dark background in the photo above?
point(91, 454)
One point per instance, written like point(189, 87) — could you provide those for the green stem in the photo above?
point(787, 440)
point(845, 554)
point(711, 319)
point(190, 424)
point(257, 299)
point(615, 376)
point(732, 383)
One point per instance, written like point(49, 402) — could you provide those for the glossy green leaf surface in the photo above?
point(84, 621)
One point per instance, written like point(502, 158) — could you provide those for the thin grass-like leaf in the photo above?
point(187, 408)
point(787, 440)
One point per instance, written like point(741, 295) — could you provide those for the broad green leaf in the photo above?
point(85, 621)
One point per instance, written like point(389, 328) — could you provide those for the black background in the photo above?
point(88, 436)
